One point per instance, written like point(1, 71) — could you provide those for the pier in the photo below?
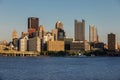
point(18, 53)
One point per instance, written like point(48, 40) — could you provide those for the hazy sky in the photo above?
point(104, 14)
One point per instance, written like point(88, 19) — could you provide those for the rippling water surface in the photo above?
point(59, 68)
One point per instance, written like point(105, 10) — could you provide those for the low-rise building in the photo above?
point(68, 41)
point(55, 46)
point(77, 46)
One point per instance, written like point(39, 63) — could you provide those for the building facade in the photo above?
point(33, 24)
point(58, 32)
point(93, 34)
point(77, 47)
point(23, 43)
point(68, 41)
point(41, 31)
point(80, 30)
point(34, 44)
point(55, 46)
point(48, 37)
point(111, 42)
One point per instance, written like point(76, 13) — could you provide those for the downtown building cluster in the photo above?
point(37, 39)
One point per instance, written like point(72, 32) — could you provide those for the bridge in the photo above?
point(18, 53)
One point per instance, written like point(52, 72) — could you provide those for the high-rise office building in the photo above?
point(33, 23)
point(93, 34)
point(80, 30)
point(58, 32)
point(111, 42)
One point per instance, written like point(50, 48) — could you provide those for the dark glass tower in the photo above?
point(33, 23)
point(111, 41)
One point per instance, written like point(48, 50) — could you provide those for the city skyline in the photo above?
point(103, 14)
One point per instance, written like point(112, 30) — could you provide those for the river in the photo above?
point(59, 68)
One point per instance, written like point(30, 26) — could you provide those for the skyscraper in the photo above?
point(80, 30)
point(111, 42)
point(93, 34)
point(33, 23)
point(58, 32)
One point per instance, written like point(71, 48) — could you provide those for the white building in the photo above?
point(23, 44)
point(48, 37)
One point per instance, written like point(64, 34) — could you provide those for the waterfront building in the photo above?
point(80, 30)
point(93, 34)
point(23, 43)
point(55, 46)
point(99, 45)
point(77, 46)
point(68, 41)
point(34, 44)
point(111, 42)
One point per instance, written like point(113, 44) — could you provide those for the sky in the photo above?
point(104, 14)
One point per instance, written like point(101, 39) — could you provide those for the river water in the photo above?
point(59, 68)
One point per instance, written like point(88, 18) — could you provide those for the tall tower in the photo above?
point(58, 32)
point(93, 34)
point(33, 23)
point(111, 42)
point(80, 30)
